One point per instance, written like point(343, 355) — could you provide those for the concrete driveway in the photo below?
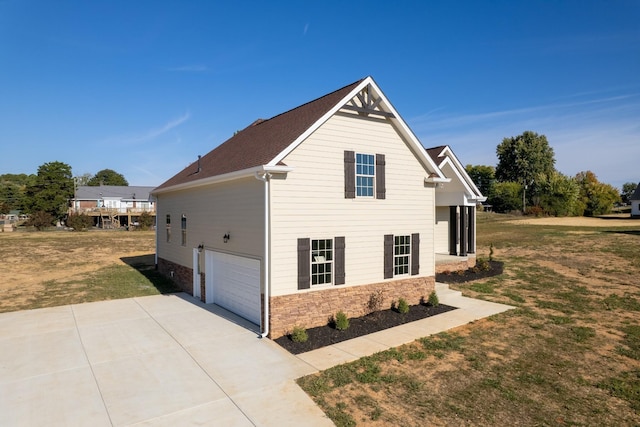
point(162, 360)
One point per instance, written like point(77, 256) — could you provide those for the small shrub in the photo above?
point(491, 252)
point(403, 307)
point(376, 299)
point(482, 265)
point(433, 300)
point(145, 221)
point(40, 220)
point(341, 321)
point(79, 222)
point(299, 334)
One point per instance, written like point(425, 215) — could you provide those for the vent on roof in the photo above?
point(257, 122)
point(199, 166)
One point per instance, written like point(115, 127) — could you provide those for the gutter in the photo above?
point(265, 177)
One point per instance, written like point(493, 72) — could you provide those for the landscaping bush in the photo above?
point(79, 222)
point(482, 265)
point(433, 301)
point(299, 334)
point(376, 299)
point(341, 321)
point(403, 307)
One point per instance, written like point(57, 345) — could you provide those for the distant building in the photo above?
point(112, 206)
point(635, 203)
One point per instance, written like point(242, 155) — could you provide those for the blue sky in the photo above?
point(143, 87)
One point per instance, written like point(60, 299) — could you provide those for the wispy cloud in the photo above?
point(196, 68)
point(154, 133)
point(306, 28)
point(598, 134)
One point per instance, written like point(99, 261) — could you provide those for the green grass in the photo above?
point(569, 354)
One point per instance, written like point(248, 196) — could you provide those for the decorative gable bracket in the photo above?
point(366, 103)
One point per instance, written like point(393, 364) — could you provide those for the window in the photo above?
point(401, 254)
point(183, 228)
point(321, 261)
point(168, 228)
point(365, 174)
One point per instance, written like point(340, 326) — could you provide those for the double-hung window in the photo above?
point(401, 254)
point(321, 261)
point(168, 228)
point(365, 174)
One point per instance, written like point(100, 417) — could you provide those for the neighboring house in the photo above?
point(635, 203)
point(115, 204)
point(456, 201)
point(310, 212)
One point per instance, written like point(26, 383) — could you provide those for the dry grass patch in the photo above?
point(569, 354)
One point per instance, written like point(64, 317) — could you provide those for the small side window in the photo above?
point(168, 228)
point(183, 228)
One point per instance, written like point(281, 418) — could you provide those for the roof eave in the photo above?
point(244, 173)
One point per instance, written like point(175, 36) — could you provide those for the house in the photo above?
point(310, 212)
point(112, 205)
point(635, 203)
point(456, 203)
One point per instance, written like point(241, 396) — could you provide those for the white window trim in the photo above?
point(321, 260)
point(373, 176)
point(407, 254)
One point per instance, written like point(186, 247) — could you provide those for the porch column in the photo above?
point(463, 231)
point(472, 229)
point(453, 230)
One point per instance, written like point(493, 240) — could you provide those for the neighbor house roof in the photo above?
point(130, 192)
point(636, 194)
point(265, 143)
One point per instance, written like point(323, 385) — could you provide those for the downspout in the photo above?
point(267, 259)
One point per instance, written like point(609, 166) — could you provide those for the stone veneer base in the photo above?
point(316, 308)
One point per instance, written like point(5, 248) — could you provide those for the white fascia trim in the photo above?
point(419, 149)
point(462, 172)
point(244, 173)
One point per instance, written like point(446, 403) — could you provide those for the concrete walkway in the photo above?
point(170, 360)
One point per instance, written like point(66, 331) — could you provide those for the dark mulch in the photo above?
point(326, 335)
point(462, 276)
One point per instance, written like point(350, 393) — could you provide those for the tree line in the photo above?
point(525, 179)
point(46, 195)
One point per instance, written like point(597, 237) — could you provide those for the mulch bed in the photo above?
point(462, 276)
point(323, 336)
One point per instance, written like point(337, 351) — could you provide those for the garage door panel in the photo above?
point(235, 284)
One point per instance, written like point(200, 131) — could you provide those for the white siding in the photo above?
point(234, 207)
point(310, 202)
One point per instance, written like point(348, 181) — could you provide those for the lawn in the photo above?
point(51, 268)
point(568, 355)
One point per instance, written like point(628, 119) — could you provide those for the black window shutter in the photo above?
point(349, 175)
point(388, 256)
point(381, 190)
point(338, 261)
point(304, 263)
point(415, 254)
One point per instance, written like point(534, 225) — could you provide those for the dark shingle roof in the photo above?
point(636, 194)
point(129, 192)
point(260, 142)
point(435, 152)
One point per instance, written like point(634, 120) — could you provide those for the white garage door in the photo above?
point(233, 282)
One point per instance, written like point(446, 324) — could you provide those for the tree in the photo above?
point(107, 177)
point(596, 197)
point(82, 179)
point(522, 158)
point(506, 196)
point(79, 222)
point(12, 190)
point(483, 177)
point(51, 190)
point(559, 195)
point(627, 191)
